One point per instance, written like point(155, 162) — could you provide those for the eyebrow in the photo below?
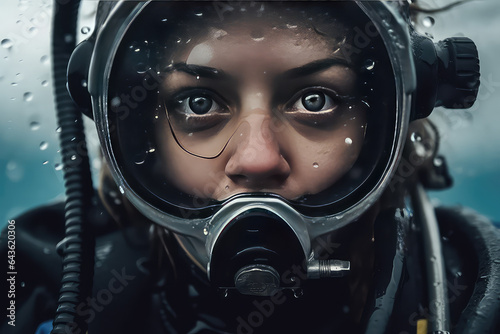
point(312, 67)
point(199, 70)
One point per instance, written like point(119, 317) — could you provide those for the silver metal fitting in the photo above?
point(327, 268)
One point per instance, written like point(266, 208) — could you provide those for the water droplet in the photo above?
point(84, 83)
point(315, 165)
point(428, 21)
point(6, 43)
point(140, 158)
point(205, 231)
point(369, 65)
point(73, 157)
point(58, 130)
point(45, 162)
point(23, 284)
point(141, 68)
point(198, 14)
point(416, 137)
point(14, 84)
point(46, 250)
point(68, 38)
point(33, 31)
point(164, 20)
point(44, 60)
point(58, 166)
point(85, 30)
point(438, 162)
point(226, 293)
point(226, 187)
point(45, 83)
point(115, 101)
point(297, 293)
point(348, 141)
point(34, 126)
point(44, 145)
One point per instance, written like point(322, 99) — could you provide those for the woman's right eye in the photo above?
point(198, 104)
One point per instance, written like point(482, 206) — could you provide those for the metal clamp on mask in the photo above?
point(256, 245)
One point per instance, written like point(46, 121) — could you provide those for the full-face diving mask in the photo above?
point(154, 90)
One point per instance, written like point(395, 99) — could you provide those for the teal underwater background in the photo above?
point(30, 171)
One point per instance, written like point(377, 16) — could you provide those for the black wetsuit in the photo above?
point(136, 290)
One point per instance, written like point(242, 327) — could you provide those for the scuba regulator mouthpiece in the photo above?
point(260, 246)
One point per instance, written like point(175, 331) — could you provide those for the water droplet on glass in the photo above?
point(164, 20)
point(23, 284)
point(33, 30)
point(44, 59)
point(348, 141)
point(115, 101)
point(438, 162)
point(45, 83)
point(84, 83)
point(58, 166)
point(141, 68)
point(73, 157)
point(416, 137)
point(58, 130)
point(122, 191)
point(369, 64)
point(7, 43)
point(34, 126)
point(226, 293)
point(44, 145)
point(198, 14)
point(297, 293)
point(45, 162)
point(226, 187)
point(140, 158)
point(14, 84)
point(205, 231)
point(315, 165)
point(68, 38)
point(85, 30)
point(428, 21)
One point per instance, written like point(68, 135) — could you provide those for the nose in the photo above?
point(256, 160)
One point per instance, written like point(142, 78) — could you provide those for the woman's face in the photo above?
point(255, 107)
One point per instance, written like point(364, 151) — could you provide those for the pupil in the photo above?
point(200, 105)
point(314, 101)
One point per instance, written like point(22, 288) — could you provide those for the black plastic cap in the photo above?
point(77, 76)
point(458, 73)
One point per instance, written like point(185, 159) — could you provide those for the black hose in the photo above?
point(78, 246)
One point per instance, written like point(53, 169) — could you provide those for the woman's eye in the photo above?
point(200, 105)
point(314, 101)
point(197, 105)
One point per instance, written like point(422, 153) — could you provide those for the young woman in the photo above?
point(260, 160)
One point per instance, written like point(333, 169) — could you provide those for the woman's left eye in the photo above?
point(314, 101)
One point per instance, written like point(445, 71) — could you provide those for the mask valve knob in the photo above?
point(257, 280)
